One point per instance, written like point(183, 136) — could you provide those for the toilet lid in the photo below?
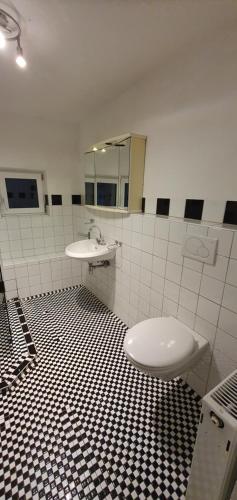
point(159, 342)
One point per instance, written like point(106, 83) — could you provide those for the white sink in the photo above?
point(91, 251)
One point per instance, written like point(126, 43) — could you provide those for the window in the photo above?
point(21, 192)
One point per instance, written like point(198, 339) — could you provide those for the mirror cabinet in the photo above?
point(114, 173)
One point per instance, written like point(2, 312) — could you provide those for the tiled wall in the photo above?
point(40, 274)
point(28, 235)
point(151, 278)
point(33, 250)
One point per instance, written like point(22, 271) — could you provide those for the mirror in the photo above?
point(108, 173)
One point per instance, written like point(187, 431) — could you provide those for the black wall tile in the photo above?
point(230, 216)
point(46, 200)
point(143, 204)
point(76, 199)
point(56, 199)
point(193, 209)
point(162, 206)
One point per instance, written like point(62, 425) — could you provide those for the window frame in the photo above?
point(37, 176)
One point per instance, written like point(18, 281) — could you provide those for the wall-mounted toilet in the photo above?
point(163, 347)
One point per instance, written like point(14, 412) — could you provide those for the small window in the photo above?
point(21, 192)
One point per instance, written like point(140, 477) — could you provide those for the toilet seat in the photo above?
point(159, 343)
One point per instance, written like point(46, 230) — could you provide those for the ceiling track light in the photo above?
point(10, 31)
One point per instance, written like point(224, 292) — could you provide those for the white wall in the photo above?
point(37, 144)
point(189, 113)
point(151, 278)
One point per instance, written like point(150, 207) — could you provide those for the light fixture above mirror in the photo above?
point(10, 31)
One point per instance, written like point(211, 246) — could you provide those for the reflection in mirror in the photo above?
point(107, 171)
point(124, 166)
point(90, 178)
point(114, 173)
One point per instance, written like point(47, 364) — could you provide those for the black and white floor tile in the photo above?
point(83, 423)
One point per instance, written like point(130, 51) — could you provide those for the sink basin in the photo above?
point(91, 251)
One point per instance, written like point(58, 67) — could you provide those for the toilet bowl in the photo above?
point(163, 347)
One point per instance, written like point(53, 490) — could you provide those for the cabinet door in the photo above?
point(107, 171)
point(89, 166)
point(124, 169)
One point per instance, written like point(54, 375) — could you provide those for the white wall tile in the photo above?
point(137, 223)
point(231, 277)
point(230, 298)
point(150, 205)
point(193, 264)
point(10, 285)
point(174, 253)
point(228, 321)
point(218, 270)
point(206, 329)
point(196, 383)
point(234, 247)
point(21, 271)
point(147, 243)
point(212, 289)
point(145, 277)
point(34, 279)
point(146, 260)
point(156, 299)
point(23, 282)
point(197, 229)
point(225, 237)
point(177, 232)
point(173, 272)
point(188, 299)
point(162, 228)
point(221, 367)
point(226, 344)
point(148, 225)
point(158, 266)
point(136, 240)
point(157, 283)
point(191, 280)
point(23, 292)
point(171, 290)
point(186, 317)
point(213, 210)
point(177, 207)
point(8, 273)
point(208, 310)
point(170, 308)
point(160, 248)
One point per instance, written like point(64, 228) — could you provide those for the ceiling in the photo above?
point(82, 53)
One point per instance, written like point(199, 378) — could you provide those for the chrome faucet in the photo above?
point(99, 240)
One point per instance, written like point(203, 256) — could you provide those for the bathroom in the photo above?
point(80, 415)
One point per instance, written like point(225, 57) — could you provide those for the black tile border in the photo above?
point(193, 209)
point(162, 206)
point(76, 199)
point(56, 199)
point(230, 216)
point(15, 372)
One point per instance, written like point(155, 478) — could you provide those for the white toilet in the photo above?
point(163, 347)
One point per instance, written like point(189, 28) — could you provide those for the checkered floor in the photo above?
point(12, 347)
point(85, 424)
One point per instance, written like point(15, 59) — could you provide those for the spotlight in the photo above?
point(2, 40)
point(20, 60)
